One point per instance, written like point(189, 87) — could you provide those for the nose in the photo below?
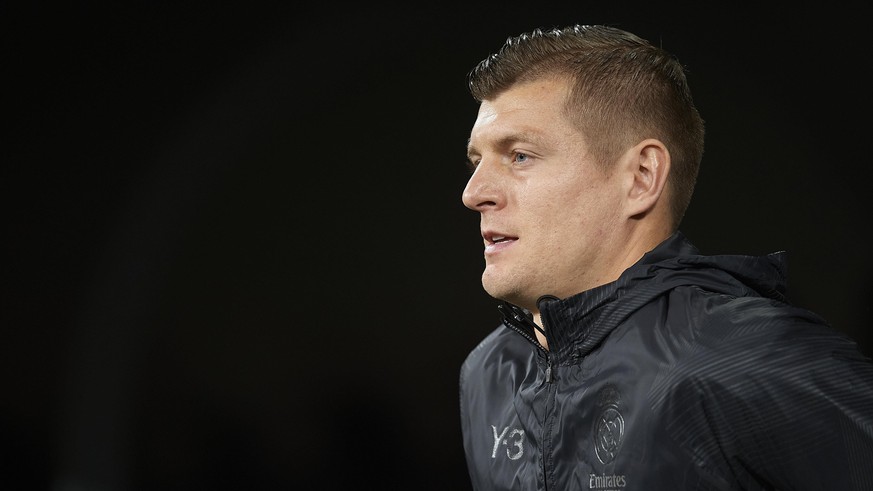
point(481, 191)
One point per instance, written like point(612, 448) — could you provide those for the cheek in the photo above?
point(563, 217)
point(582, 205)
point(577, 206)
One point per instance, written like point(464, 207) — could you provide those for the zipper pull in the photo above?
point(549, 372)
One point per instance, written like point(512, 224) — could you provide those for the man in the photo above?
point(627, 359)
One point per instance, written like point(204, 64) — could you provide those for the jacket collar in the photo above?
point(574, 326)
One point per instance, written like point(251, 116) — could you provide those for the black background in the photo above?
point(236, 252)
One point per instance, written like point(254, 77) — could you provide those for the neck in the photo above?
point(638, 246)
point(540, 336)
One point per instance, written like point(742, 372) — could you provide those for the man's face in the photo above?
point(550, 218)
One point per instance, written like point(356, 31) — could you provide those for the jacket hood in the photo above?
point(578, 323)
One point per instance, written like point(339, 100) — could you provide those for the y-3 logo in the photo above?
point(512, 439)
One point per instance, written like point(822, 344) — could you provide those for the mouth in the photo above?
point(495, 242)
point(497, 239)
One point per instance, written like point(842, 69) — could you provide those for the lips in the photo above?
point(496, 237)
point(496, 242)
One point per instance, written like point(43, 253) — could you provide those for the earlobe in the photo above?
point(650, 166)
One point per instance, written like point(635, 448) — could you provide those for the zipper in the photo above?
point(516, 320)
point(520, 323)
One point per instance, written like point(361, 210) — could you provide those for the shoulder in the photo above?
point(763, 327)
point(772, 383)
point(720, 319)
point(753, 347)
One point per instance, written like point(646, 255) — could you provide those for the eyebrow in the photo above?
point(511, 138)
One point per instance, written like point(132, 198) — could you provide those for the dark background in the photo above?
point(236, 255)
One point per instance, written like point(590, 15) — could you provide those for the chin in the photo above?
point(503, 292)
point(494, 289)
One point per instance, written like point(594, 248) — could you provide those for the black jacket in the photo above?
point(688, 372)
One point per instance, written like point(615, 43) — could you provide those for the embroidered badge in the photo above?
point(608, 426)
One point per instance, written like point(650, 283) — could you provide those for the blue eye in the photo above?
point(521, 158)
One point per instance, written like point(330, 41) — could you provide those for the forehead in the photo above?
point(541, 94)
point(531, 108)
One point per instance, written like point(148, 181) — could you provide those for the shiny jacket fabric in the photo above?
point(688, 372)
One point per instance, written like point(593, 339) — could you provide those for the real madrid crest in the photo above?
point(608, 428)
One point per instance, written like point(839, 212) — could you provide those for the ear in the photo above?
point(648, 165)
